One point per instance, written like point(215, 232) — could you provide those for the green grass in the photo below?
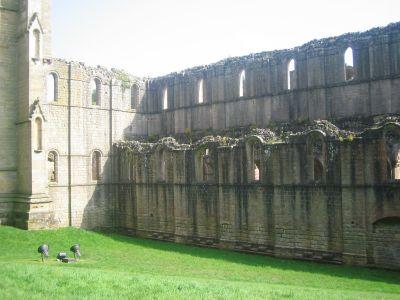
point(114, 266)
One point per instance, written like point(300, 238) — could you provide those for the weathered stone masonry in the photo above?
point(48, 143)
point(327, 193)
point(319, 90)
point(90, 147)
point(346, 213)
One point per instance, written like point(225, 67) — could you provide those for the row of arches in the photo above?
point(256, 159)
point(256, 166)
point(348, 71)
point(205, 166)
point(96, 85)
point(53, 157)
point(53, 166)
point(52, 91)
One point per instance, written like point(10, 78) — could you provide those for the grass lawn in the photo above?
point(114, 266)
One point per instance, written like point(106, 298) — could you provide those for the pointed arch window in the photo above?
point(200, 87)
point(254, 161)
point(38, 134)
point(165, 98)
point(96, 165)
point(36, 44)
point(242, 82)
point(95, 88)
point(349, 64)
point(256, 171)
point(291, 69)
point(52, 87)
point(52, 166)
point(134, 96)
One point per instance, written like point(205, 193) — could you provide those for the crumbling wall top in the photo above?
point(117, 76)
point(276, 56)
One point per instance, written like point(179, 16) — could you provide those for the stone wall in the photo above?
point(320, 194)
point(319, 89)
point(75, 128)
point(324, 194)
point(8, 85)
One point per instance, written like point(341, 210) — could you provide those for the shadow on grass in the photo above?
point(91, 238)
point(257, 260)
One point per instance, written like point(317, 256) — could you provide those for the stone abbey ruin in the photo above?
point(292, 153)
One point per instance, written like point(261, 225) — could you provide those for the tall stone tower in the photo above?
point(25, 37)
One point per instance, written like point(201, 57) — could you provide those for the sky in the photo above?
point(155, 37)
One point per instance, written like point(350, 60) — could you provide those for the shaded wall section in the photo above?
point(318, 196)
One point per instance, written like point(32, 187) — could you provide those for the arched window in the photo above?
point(95, 88)
point(52, 87)
point(36, 43)
point(242, 81)
point(253, 151)
point(134, 96)
point(318, 171)
point(348, 64)
point(200, 87)
point(165, 98)
point(291, 69)
point(52, 166)
point(38, 134)
point(96, 165)
point(256, 171)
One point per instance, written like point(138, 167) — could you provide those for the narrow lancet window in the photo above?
point(52, 166)
point(348, 64)
point(52, 87)
point(200, 87)
point(254, 161)
point(95, 87)
point(165, 99)
point(242, 81)
point(256, 171)
point(291, 74)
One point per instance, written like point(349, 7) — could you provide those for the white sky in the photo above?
point(155, 37)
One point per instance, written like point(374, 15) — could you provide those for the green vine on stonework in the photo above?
point(124, 77)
